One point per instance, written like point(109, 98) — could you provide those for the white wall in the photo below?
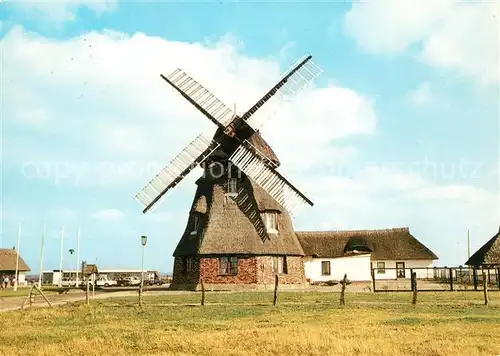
point(356, 267)
point(409, 264)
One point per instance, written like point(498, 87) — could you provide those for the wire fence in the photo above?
point(434, 279)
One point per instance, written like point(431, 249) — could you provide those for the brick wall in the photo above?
point(295, 267)
point(251, 270)
point(247, 271)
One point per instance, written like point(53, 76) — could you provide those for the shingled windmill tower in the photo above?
point(239, 231)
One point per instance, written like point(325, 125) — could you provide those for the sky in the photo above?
point(401, 128)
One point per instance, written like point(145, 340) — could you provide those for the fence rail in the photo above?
point(434, 279)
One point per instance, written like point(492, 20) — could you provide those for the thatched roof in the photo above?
point(386, 244)
point(89, 269)
point(8, 259)
point(236, 227)
point(488, 254)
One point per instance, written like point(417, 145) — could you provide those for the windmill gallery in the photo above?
point(239, 232)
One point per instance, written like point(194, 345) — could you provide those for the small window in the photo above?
point(380, 267)
point(232, 187)
point(182, 265)
point(270, 221)
point(280, 265)
point(196, 224)
point(325, 268)
point(228, 266)
point(189, 265)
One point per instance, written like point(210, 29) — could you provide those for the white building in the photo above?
point(385, 254)
point(53, 276)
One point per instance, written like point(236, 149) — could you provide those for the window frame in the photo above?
point(232, 187)
point(279, 265)
point(189, 264)
point(228, 266)
point(195, 224)
point(323, 264)
point(270, 219)
point(380, 270)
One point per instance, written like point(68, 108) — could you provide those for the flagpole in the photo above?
point(61, 260)
point(41, 256)
point(17, 258)
point(468, 243)
point(77, 255)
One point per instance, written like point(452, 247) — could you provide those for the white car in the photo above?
point(104, 281)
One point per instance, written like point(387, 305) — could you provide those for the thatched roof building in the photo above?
point(488, 255)
point(228, 225)
point(386, 244)
point(8, 258)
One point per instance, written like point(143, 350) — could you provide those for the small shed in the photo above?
point(89, 271)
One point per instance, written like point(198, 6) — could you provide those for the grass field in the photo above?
point(309, 323)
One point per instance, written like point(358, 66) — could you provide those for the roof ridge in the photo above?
point(394, 229)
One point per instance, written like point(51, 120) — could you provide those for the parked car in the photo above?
point(103, 281)
point(128, 281)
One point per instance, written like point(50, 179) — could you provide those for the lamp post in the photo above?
point(71, 252)
point(144, 240)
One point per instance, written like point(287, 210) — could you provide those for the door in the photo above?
point(400, 270)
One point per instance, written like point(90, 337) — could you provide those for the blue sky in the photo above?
point(401, 129)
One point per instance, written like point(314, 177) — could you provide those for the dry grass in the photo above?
point(447, 323)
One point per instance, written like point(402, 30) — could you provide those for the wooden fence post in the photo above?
point(342, 291)
point(451, 279)
point(275, 299)
point(414, 287)
point(485, 288)
point(87, 290)
point(373, 280)
point(202, 292)
point(411, 279)
point(43, 295)
point(474, 272)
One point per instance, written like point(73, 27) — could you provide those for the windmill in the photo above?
point(232, 138)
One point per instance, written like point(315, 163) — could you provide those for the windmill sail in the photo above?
point(256, 166)
point(291, 84)
point(191, 156)
point(200, 97)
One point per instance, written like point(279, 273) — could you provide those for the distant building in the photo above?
point(8, 259)
point(488, 256)
point(52, 277)
point(391, 252)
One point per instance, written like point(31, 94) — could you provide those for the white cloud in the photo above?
point(61, 10)
point(455, 35)
point(111, 100)
point(108, 215)
point(422, 95)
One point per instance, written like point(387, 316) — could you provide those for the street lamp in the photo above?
point(144, 240)
point(71, 252)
